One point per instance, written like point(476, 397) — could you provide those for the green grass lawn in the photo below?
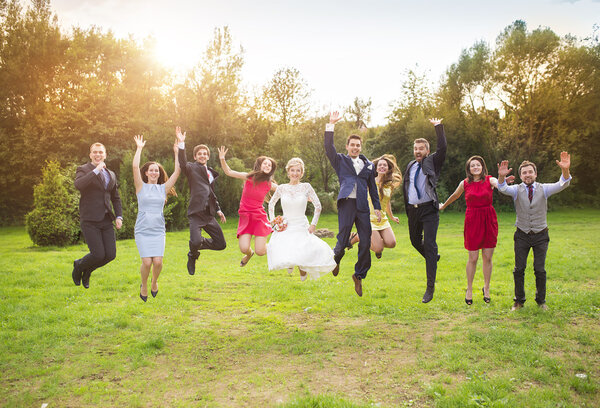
point(232, 336)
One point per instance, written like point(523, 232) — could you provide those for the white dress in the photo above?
point(295, 246)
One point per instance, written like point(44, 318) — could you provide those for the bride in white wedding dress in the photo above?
point(296, 245)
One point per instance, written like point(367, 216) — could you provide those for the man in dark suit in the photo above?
point(98, 188)
point(203, 202)
point(421, 201)
point(356, 175)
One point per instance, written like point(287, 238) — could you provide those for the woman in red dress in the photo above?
point(253, 218)
point(481, 223)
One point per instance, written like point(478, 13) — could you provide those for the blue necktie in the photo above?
point(105, 177)
point(415, 180)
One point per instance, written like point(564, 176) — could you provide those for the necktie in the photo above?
point(415, 180)
point(104, 177)
point(530, 194)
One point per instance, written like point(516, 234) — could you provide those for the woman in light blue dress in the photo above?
point(151, 186)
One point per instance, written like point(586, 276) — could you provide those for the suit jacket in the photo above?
point(202, 193)
point(96, 200)
point(430, 167)
point(344, 168)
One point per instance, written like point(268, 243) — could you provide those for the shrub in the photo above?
point(52, 220)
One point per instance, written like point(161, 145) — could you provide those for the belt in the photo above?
point(420, 205)
point(533, 233)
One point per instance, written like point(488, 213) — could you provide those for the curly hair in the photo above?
point(392, 178)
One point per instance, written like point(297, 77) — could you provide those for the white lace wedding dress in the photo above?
point(295, 246)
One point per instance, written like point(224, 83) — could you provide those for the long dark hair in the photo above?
point(162, 178)
point(484, 171)
point(257, 175)
point(392, 178)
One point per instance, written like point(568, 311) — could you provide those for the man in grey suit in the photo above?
point(99, 206)
point(421, 201)
point(531, 205)
point(203, 202)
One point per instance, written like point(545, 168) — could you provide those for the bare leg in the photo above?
point(260, 245)
point(244, 242)
point(389, 239)
point(376, 242)
point(486, 254)
point(145, 272)
point(157, 264)
point(471, 265)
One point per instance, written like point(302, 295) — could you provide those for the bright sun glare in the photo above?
point(176, 55)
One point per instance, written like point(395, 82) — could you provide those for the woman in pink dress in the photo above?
point(481, 223)
point(253, 218)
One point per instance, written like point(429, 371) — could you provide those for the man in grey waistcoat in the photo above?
point(531, 205)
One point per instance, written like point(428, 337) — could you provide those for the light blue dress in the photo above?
point(150, 224)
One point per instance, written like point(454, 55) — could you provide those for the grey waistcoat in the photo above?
point(531, 216)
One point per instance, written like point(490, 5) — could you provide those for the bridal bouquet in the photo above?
point(279, 223)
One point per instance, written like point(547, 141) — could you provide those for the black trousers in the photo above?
point(423, 223)
point(198, 222)
point(348, 216)
point(101, 241)
point(523, 242)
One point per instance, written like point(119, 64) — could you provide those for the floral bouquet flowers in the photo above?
point(279, 223)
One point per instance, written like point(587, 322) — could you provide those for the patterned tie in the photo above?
point(530, 194)
point(415, 180)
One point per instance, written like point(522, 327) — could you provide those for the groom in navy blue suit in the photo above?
point(356, 175)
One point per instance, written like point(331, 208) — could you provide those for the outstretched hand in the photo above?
point(436, 121)
point(176, 146)
point(180, 136)
point(335, 117)
point(565, 161)
point(503, 169)
point(139, 141)
point(222, 152)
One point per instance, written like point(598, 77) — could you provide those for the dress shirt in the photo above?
point(412, 192)
point(358, 166)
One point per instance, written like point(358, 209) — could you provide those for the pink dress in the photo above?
point(253, 218)
point(481, 223)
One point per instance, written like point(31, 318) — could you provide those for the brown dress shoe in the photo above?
point(357, 285)
point(516, 306)
point(336, 270)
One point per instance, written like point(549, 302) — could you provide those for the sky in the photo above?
point(343, 49)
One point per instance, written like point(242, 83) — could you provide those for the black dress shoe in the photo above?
point(378, 255)
point(427, 296)
point(191, 263)
point(76, 274)
point(85, 279)
point(144, 298)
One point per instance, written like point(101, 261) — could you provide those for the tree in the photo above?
point(286, 97)
point(360, 111)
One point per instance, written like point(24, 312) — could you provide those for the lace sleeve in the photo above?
point(313, 198)
point(273, 201)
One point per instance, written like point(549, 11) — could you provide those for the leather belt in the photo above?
point(420, 205)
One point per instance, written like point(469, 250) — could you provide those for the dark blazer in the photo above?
point(344, 168)
point(96, 200)
point(430, 167)
point(202, 193)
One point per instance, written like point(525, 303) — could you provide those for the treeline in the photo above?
point(529, 96)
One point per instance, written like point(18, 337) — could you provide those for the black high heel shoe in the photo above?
point(468, 301)
point(154, 293)
point(144, 298)
point(485, 299)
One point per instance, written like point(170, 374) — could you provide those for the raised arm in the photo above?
point(181, 150)
point(330, 151)
point(457, 193)
point(176, 171)
point(441, 147)
point(565, 164)
point(137, 176)
point(504, 178)
point(231, 173)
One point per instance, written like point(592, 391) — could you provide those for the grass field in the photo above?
point(232, 336)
